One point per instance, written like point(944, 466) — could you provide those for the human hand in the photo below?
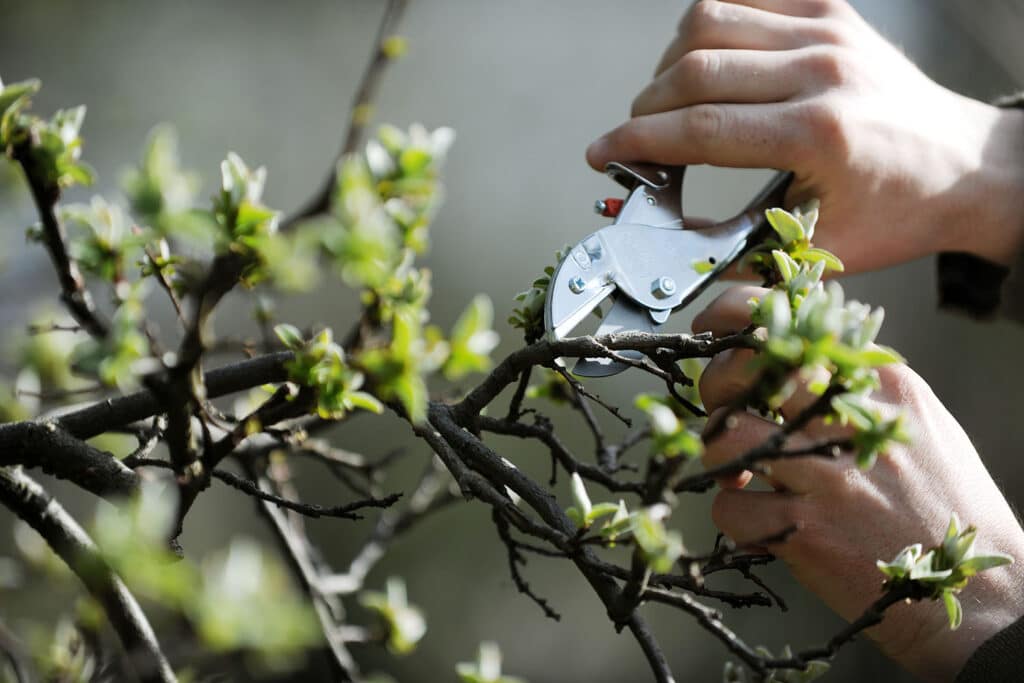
point(847, 518)
point(903, 166)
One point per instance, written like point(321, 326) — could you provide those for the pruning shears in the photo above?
point(649, 261)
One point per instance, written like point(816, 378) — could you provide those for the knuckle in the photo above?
point(829, 32)
point(829, 67)
point(704, 124)
point(701, 17)
point(698, 67)
point(821, 8)
point(903, 386)
point(825, 125)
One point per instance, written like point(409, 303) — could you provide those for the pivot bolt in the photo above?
point(663, 287)
point(577, 285)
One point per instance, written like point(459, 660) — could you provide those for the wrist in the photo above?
point(992, 601)
point(987, 202)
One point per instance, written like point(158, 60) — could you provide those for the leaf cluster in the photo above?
point(943, 570)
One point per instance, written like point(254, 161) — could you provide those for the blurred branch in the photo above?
point(30, 502)
point(13, 650)
point(430, 495)
point(252, 488)
point(362, 108)
point(299, 552)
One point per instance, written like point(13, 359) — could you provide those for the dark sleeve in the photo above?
point(978, 287)
point(998, 659)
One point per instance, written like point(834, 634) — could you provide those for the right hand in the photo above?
point(903, 166)
point(846, 517)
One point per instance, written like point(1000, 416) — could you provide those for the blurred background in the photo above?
point(526, 85)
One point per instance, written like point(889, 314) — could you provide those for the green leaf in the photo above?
point(851, 411)
point(472, 340)
point(601, 510)
point(413, 161)
point(15, 95)
point(924, 570)
point(980, 563)
point(289, 336)
point(487, 668)
point(785, 264)
point(814, 254)
point(580, 496)
point(788, 226)
point(411, 390)
point(405, 623)
point(361, 399)
point(903, 562)
point(954, 611)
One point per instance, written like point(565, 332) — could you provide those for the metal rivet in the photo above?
point(651, 200)
point(663, 287)
point(600, 206)
point(577, 285)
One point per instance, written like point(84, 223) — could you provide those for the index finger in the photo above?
point(764, 135)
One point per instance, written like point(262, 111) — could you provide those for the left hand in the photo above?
point(848, 518)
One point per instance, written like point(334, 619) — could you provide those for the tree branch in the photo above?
point(73, 291)
point(53, 450)
point(29, 501)
point(360, 113)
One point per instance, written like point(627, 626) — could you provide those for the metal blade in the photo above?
point(582, 281)
point(623, 315)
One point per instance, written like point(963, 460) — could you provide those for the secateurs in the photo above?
point(649, 261)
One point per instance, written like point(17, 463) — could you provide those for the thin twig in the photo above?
point(361, 111)
point(45, 193)
point(347, 511)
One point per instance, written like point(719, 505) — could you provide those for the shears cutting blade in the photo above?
point(647, 260)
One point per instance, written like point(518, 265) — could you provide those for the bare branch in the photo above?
point(347, 511)
point(46, 446)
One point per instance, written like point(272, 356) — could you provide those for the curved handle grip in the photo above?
point(664, 184)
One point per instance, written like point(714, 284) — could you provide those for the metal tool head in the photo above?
point(645, 260)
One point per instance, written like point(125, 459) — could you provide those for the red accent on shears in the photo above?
point(612, 207)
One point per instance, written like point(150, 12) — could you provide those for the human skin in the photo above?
point(903, 166)
point(847, 518)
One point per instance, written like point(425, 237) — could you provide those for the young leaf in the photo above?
point(954, 611)
point(289, 336)
point(788, 227)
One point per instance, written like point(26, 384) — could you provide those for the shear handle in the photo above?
point(772, 195)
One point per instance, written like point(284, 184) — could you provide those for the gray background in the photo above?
point(526, 85)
